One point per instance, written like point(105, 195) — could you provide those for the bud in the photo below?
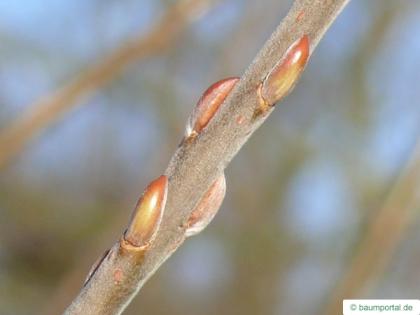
point(207, 208)
point(208, 105)
point(148, 214)
point(282, 78)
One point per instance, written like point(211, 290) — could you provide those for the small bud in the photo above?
point(148, 213)
point(208, 105)
point(207, 208)
point(282, 78)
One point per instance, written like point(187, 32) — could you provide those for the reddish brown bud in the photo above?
point(148, 213)
point(282, 78)
point(207, 208)
point(208, 105)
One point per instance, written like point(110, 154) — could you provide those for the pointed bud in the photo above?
point(148, 214)
point(282, 78)
point(208, 105)
point(207, 208)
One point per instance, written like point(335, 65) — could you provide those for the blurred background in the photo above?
point(302, 195)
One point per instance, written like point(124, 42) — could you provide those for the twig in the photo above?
point(204, 154)
point(44, 112)
point(382, 236)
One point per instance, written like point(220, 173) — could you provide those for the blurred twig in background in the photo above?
point(382, 236)
point(44, 112)
point(387, 225)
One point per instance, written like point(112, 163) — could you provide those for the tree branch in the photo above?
point(44, 112)
point(201, 159)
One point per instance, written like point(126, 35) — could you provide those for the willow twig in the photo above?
point(49, 108)
point(205, 152)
